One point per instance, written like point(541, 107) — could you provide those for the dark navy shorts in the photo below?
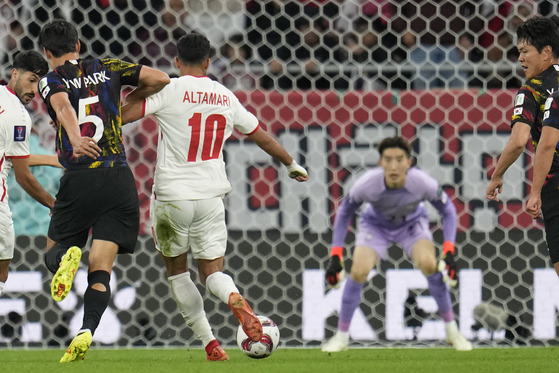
point(550, 211)
point(101, 200)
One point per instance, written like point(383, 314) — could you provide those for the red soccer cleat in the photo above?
point(215, 352)
point(242, 311)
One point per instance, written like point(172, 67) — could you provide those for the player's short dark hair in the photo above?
point(59, 37)
point(31, 61)
point(395, 142)
point(540, 32)
point(193, 48)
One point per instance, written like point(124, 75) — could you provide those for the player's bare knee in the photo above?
point(427, 266)
point(99, 287)
point(359, 275)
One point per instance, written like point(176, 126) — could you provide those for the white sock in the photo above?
point(1, 288)
point(342, 334)
point(451, 327)
point(221, 285)
point(191, 306)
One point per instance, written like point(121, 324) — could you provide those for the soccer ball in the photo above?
point(266, 345)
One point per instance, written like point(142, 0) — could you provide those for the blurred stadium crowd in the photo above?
point(300, 44)
point(282, 45)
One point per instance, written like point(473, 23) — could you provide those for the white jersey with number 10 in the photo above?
point(195, 115)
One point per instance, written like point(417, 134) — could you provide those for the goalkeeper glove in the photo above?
point(448, 264)
point(335, 268)
point(295, 170)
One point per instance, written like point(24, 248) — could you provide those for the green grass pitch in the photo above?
point(284, 360)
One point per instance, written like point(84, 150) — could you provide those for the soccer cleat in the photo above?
point(456, 339)
point(339, 342)
point(217, 354)
point(78, 348)
point(64, 276)
point(242, 311)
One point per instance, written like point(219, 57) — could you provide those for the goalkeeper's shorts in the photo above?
point(380, 238)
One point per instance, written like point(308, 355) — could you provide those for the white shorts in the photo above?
point(196, 226)
point(7, 235)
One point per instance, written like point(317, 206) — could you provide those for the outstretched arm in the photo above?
point(44, 160)
point(29, 183)
point(447, 210)
point(272, 147)
point(518, 138)
point(132, 110)
point(334, 266)
point(151, 81)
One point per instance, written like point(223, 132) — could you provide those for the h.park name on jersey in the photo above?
point(206, 98)
point(95, 78)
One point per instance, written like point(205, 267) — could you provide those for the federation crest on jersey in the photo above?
point(519, 100)
point(19, 133)
point(44, 89)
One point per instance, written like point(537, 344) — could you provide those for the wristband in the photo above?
point(292, 166)
point(337, 250)
point(448, 247)
point(295, 170)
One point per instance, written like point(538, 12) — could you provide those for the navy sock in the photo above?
point(54, 256)
point(95, 301)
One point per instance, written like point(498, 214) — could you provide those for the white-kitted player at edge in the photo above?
point(393, 197)
point(15, 128)
point(196, 115)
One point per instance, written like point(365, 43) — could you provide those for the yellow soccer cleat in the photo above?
point(64, 277)
point(78, 348)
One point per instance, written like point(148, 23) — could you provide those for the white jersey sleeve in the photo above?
point(15, 128)
point(245, 122)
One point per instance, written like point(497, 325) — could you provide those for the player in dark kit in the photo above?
point(97, 190)
point(538, 48)
point(544, 196)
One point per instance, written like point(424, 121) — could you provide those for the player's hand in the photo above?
point(447, 265)
point(334, 271)
point(494, 188)
point(86, 146)
point(54, 125)
point(297, 172)
point(534, 206)
point(448, 268)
